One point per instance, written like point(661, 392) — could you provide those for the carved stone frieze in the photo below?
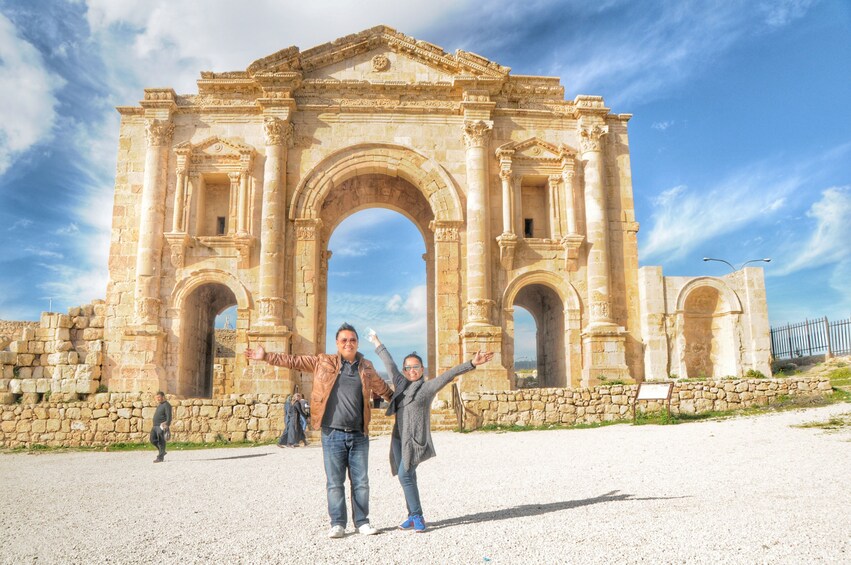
point(445, 231)
point(271, 310)
point(307, 229)
point(479, 311)
point(147, 310)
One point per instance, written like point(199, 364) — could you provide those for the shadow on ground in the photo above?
point(538, 509)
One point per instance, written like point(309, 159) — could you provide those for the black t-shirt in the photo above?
point(344, 408)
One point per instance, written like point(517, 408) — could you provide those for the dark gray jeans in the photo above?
point(158, 439)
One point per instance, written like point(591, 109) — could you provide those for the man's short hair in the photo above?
point(346, 327)
point(160, 393)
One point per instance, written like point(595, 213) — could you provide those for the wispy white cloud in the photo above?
point(684, 218)
point(829, 240)
point(21, 223)
point(663, 125)
point(779, 13)
point(46, 253)
point(69, 229)
point(395, 303)
point(28, 90)
point(70, 286)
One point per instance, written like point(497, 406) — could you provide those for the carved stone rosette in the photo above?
point(479, 310)
point(591, 137)
point(476, 133)
point(278, 132)
point(507, 246)
point(380, 63)
point(158, 132)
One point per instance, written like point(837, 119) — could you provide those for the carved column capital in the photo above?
point(158, 132)
point(476, 132)
point(445, 231)
point(591, 137)
point(278, 131)
point(554, 181)
point(479, 311)
point(148, 310)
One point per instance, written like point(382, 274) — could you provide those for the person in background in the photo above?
point(162, 424)
point(411, 442)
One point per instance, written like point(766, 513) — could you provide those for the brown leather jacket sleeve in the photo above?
point(306, 363)
point(378, 386)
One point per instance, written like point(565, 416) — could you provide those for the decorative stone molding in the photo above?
point(147, 310)
point(571, 244)
point(600, 309)
point(278, 131)
point(507, 245)
point(158, 132)
point(445, 231)
point(591, 137)
point(178, 242)
point(307, 229)
point(476, 132)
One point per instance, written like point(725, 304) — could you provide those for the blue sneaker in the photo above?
point(407, 524)
point(419, 523)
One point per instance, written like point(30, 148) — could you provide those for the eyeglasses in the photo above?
point(409, 367)
point(350, 340)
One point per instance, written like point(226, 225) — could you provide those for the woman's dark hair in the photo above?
point(415, 356)
point(346, 327)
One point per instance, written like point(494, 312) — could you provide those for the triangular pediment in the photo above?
point(534, 149)
point(219, 147)
point(379, 54)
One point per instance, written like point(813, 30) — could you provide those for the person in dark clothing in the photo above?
point(295, 418)
point(162, 422)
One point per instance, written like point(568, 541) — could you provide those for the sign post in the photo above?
point(653, 391)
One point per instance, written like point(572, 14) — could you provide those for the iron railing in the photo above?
point(811, 337)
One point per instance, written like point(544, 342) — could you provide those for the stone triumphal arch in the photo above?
point(228, 198)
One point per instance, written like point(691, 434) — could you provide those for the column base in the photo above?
point(493, 375)
point(604, 354)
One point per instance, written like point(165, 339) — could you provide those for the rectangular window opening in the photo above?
point(527, 227)
point(220, 225)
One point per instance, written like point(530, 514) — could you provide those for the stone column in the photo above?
point(271, 302)
point(570, 206)
point(556, 229)
point(508, 238)
point(233, 208)
point(479, 303)
point(597, 225)
point(178, 225)
point(152, 217)
point(242, 205)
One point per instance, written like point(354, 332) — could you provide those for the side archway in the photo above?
point(555, 306)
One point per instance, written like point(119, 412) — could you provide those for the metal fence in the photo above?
point(811, 337)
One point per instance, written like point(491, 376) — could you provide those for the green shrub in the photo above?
point(753, 374)
point(102, 388)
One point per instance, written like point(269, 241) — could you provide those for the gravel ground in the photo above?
point(745, 490)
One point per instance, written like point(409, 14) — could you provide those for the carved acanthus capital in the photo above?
point(600, 310)
point(158, 132)
point(505, 174)
point(278, 131)
point(505, 155)
point(554, 181)
point(591, 137)
point(271, 310)
point(476, 132)
point(479, 311)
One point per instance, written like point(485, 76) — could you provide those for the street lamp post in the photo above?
point(734, 269)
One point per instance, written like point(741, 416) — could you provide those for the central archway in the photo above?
point(398, 179)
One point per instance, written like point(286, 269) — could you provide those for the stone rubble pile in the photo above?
point(62, 358)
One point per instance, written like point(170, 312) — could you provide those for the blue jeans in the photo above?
point(408, 480)
point(346, 451)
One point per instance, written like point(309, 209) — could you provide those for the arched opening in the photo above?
point(376, 271)
point(525, 349)
point(197, 372)
point(547, 310)
point(708, 334)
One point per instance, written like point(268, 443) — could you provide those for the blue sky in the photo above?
point(740, 140)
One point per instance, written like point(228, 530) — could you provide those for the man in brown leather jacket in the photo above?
point(340, 405)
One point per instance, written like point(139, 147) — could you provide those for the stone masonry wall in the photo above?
point(63, 356)
point(108, 418)
point(568, 406)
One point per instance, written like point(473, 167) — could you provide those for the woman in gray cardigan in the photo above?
point(411, 442)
